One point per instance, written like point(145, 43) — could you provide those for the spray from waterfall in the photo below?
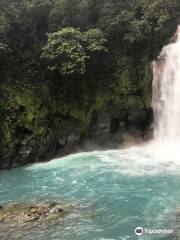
point(166, 93)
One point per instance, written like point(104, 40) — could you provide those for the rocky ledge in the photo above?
point(17, 215)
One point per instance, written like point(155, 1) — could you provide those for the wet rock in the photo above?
point(56, 209)
point(17, 215)
point(33, 210)
point(104, 121)
point(66, 135)
point(52, 204)
point(1, 218)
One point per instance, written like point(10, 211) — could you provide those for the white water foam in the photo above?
point(161, 155)
point(166, 94)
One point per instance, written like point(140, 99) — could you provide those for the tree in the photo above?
point(67, 50)
point(95, 39)
point(64, 51)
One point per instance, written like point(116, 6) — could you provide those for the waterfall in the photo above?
point(166, 93)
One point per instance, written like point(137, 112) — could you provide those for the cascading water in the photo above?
point(112, 192)
point(166, 93)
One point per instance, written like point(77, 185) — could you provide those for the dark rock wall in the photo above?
point(45, 135)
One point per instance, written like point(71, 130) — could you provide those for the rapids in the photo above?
point(112, 192)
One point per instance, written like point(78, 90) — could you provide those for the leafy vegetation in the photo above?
point(76, 56)
point(67, 50)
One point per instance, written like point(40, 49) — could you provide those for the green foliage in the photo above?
point(3, 48)
point(67, 50)
point(24, 114)
point(95, 39)
point(95, 52)
point(138, 30)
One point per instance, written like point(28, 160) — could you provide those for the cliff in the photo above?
point(85, 86)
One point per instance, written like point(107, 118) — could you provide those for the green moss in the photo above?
point(145, 81)
point(8, 135)
point(27, 109)
point(101, 102)
point(124, 83)
point(83, 117)
point(24, 114)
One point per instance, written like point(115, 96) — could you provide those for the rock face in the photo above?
point(16, 219)
point(112, 129)
point(109, 127)
point(16, 215)
point(37, 126)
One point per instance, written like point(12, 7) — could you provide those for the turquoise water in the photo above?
point(112, 192)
